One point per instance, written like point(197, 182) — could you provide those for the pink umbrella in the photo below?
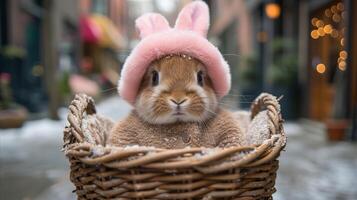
point(90, 32)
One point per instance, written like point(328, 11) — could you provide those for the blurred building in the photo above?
point(42, 48)
point(37, 42)
point(299, 49)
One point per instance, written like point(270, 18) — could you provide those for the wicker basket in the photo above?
point(190, 173)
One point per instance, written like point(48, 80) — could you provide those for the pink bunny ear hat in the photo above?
point(188, 37)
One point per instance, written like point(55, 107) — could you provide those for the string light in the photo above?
point(335, 13)
point(334, 9)
point(272, 10)
point(340, 6)
point(320, 68)
point(342, 65)
point(336, 18)
point(313, 21)
point(314, 34)
point(344, 15)
point(319, 23)
point(321, 31)
point(334, 33)
point(328, 29)
point(343, 54)
point(328, 13)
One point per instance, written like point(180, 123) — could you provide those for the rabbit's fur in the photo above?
point(219, 131)
point(177, 107)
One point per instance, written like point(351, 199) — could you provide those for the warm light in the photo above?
point(314, 34)
point(343, 42)
point(319, 23)
point(334, 9)
point(342, 65)
point(334, 33)
point(313, 21)
point(321, 31)
point(340, 6)
point(328, 13)
point(272, 10)
point(343, 55)
point(336, 18)
point(344, 15)
point(321, 68)
point(328, 29)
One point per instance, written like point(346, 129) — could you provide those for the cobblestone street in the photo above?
point(33, 167)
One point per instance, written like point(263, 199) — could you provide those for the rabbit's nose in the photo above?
point(178, 102)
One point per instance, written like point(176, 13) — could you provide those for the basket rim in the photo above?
point(76, 148)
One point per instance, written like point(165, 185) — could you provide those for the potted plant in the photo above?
point(282, 75)
point(12, 115)
point(249, 83)
point(336, 129)
point(338, 123)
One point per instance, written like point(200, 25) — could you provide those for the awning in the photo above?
point(89, 30)
point(100, 29)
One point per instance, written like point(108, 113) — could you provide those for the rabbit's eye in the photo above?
point(200, 78)
point(155, 78)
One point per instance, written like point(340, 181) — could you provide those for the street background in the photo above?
point(299, 49)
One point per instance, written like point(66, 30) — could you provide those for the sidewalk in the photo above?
point(33, 167)
point(313, 168)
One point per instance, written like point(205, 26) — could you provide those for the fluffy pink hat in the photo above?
point(187, 37)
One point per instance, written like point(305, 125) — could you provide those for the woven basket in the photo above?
point(100, 172)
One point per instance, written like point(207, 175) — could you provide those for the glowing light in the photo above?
point(342, 65)
point(334, 9)
point(328, 29)
point(272, 10)
point(334, 33)
point(344, 15)
point(321, 68)
point(328, 13)
point(313, 21)
point(343, 55)
point(343, 42)
point(336, 18)
point(321, 31)
point(314, 34)
point(319, 23)
point(340, 6)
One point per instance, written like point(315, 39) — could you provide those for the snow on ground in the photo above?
point(31, 163)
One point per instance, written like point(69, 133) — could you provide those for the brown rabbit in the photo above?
point(177, 107)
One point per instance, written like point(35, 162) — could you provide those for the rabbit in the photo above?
point(177, 107)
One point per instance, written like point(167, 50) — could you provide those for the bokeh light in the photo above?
point(272, 10)
point(320, 68)
point(343, 54)
point(314, 34)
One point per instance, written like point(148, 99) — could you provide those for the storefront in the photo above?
point(328, 69)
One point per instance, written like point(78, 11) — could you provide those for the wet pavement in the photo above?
point(32, 167)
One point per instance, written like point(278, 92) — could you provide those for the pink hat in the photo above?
point(187, 37)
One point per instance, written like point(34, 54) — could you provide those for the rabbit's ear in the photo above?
point(195, 17)
point(151, 23)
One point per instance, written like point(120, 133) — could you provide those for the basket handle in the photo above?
point(81, 105)
point(270, 103)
